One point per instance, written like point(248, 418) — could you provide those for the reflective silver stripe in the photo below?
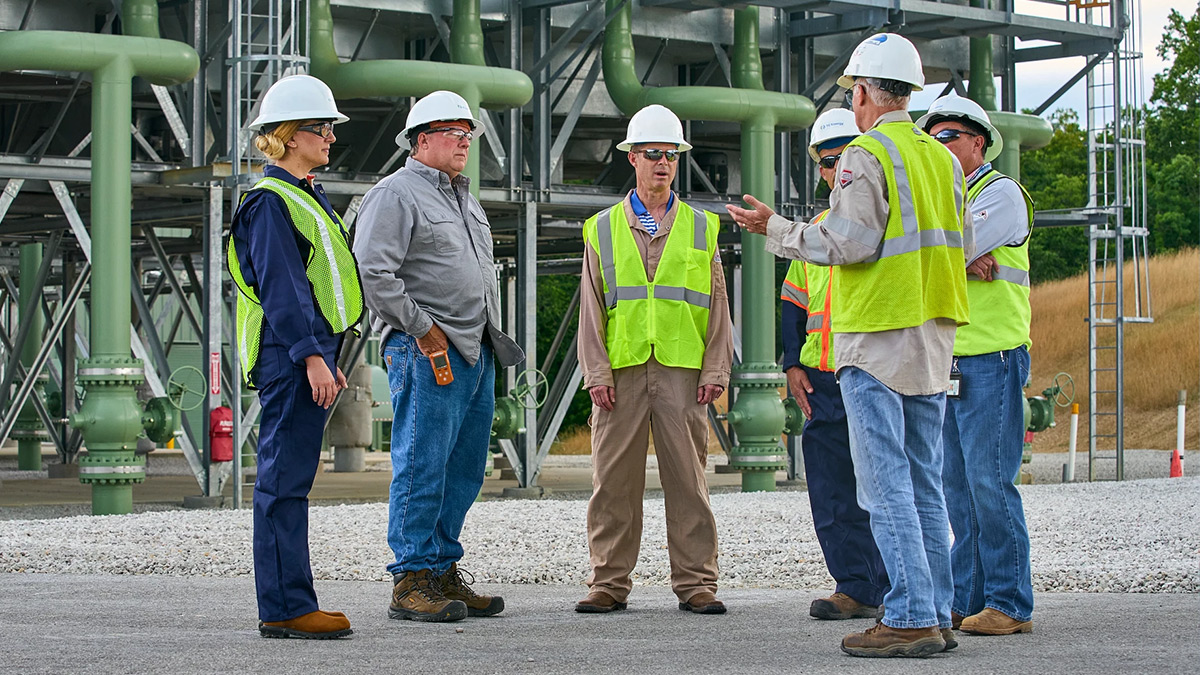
point(321, 217)
point(119, 468)
point(815, 322)
point(683, 295)
point(852, 230)
point(1012, 275)
point(797, 296)
point(699, 228)
point(608, 267)
point(625, 293)
point(908, 214)
point(923, 239)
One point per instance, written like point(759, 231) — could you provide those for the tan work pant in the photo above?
point(663, 398)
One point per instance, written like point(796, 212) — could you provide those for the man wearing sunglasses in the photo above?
point(843, 528)
point(984, 426)
point(656, 346)
point(898, 239)
point(425, 251)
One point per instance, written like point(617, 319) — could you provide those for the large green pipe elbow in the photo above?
point(1020, 132)
point(163, 62)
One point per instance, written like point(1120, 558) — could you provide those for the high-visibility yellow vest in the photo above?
point(1000, 310)
point(330, 268)
point(807, 286)
point(668, 315)
point(918, 272)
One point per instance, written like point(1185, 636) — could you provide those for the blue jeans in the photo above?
point(983, 435)
point(896, 443)
point(440, 437)
point(843, 528)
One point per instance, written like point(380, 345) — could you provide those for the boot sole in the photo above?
point(863, 613)
point(711, 609)
point(455, 611)
point(496, 606)
point(597, 609)
point(1023, 627)
point(917, 649)
point(280, 632)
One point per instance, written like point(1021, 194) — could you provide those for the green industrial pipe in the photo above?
point(480, 85)
point(27, 430)
point(981, 87)
point(758, 415)
point(110, 418)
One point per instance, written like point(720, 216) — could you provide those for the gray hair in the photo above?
point(886, 93)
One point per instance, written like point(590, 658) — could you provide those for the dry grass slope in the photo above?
point(1161, 358)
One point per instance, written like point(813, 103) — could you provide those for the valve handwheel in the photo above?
point(180, 385)
point(530, 389)
point(1062, 382)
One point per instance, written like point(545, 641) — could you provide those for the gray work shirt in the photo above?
point(424, 249)
point(910, 361)
point(999, 213)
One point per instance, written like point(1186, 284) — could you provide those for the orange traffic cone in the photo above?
point(1176, 464)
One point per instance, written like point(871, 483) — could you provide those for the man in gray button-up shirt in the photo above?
point(425, 254)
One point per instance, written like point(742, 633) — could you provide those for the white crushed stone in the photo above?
point(1137, 536)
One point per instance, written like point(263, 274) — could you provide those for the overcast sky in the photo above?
point(1038, 80)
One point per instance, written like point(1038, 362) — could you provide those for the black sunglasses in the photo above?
point(654, 155)
point(947, 135)
point(829, 161)
point(322, 129)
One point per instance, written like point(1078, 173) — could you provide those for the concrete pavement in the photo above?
point(158, 624)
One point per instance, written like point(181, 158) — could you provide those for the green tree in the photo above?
point(1056, 177)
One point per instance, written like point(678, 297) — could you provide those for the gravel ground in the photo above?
point(1135, 536)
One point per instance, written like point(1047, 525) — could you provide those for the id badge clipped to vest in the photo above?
point(955, 381)
point(441, 367)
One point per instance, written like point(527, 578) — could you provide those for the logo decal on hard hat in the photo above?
point(878, 39)
point(846, 178)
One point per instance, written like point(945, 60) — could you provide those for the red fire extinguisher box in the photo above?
point(220, 434)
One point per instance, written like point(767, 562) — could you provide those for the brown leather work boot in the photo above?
point(955, 620)
point(949, 639)
point(994, 622)
point(703, 603)
point(312, 626)
point(599, 602)
point(418, 596)
point(882, 640)
point(455, 587)
point(841, 606)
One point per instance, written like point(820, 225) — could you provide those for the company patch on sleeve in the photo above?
point(846, 177)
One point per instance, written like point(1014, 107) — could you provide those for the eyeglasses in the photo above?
point(322, 129)
point(850, 95)
point(457, 134)
point(947, 135)
point(654, 155)
point(829, 161)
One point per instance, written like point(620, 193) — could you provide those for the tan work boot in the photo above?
point(418, 596)
point(949, 639)
point(994, 622)
point(599, 602)
point(955, 620)
point(312, 626)
point(455, 587)
point(841, 606)
point(881, 640)
point(703, 603)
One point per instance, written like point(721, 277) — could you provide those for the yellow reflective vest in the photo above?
point(807, 286)
point(918, 272)
point(330, 268)
point(669, 315)
point(1000, 311)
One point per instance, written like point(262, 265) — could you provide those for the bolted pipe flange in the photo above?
point(112, 469)
point(110, 372)
point(508, 418)
point(160, 419)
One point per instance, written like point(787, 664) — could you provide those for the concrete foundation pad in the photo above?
point(203, 502)
point(155, 624)
point(63, 470)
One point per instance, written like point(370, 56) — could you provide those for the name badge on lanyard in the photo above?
point(955, 381)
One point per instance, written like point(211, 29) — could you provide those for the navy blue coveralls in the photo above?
point(843, 528)
point(271, 254)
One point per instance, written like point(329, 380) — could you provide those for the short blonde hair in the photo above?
point(271, 143)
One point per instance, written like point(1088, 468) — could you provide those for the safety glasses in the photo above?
point(655, 155)
point(830, 161)
point(322, 129)
point(947, 135)
point(457, 134)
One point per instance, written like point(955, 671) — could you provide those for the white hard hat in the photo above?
point(886, 56)
point(297, 97)
point(654, 124)
point(439, 106)
point(955, 106)
point(836, 123)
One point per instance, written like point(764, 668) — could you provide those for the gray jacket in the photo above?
point(424, 250)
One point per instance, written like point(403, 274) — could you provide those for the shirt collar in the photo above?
point(272, 171)
point(982, 170)
point(893, 116)
point(640, 209)
point(436, 177)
